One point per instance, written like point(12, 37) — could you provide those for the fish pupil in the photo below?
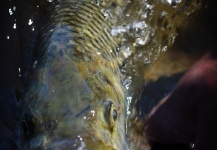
point(115, 114)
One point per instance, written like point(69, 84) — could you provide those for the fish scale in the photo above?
point(80, 25)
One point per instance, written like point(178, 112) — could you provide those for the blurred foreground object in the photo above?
point(187, 115)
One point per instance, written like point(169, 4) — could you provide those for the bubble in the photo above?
point(30, 22)
point(10, 11)
point(19, 72)
point(127, 82)
point(92, 112)
point(171, 2)
point(117, 30)
point(14, 26)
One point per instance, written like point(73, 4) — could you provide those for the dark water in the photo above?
point(20, 24)
point(17, 41)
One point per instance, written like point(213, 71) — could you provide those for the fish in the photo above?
point(75, 98)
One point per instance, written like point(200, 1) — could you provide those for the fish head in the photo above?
point(101, 127)
point(84, 113)
point(106, 120)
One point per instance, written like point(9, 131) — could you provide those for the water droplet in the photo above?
point(15, 26)
point(169, 1)
point(127, 82)
point(139, 25)
point(117, 30)
point(92, 112)
point(128, 112)
point(140, 41)
point(10, 11)
point(35, 63)
point(30, 22)
point(19, 72)
point(173, 1)
point(164, 49)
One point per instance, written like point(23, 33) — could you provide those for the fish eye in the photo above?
point(111, 113)
point(115, 114)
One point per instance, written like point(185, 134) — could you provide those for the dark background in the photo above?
point(15, 52)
